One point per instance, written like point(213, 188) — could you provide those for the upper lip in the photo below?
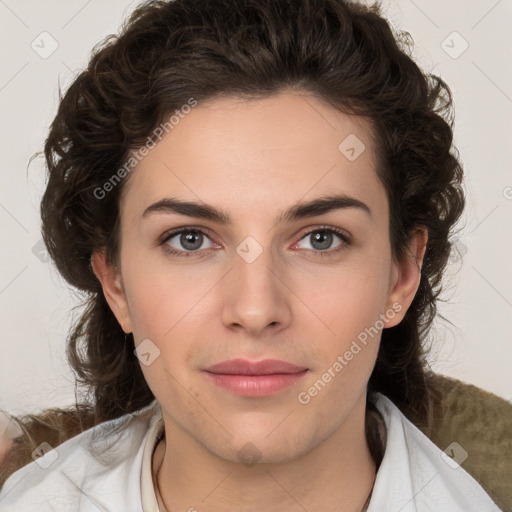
point(244, 367)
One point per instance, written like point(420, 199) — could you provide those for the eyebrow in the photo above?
point(299, 211)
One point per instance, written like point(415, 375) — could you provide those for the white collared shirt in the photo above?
point(414, 476)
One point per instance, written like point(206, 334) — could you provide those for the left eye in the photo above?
point(322, 239)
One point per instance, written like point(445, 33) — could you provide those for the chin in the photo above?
point(263, 448)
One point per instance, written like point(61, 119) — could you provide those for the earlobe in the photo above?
point(407, 275)
point(110, 279)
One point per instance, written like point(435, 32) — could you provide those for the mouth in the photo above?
point(257, 379)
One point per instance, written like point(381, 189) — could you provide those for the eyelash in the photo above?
point(190, 254)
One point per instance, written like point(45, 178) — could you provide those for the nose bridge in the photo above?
point(254, 267)
point(257, 296)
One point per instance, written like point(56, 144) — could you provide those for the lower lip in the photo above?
point(255, 385)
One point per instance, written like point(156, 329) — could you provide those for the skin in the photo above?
point(9, 430)
point(255, 159)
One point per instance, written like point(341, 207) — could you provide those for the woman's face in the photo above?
point(273, 276)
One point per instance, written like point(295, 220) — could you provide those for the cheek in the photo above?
point(159, 311)
point(160, 295)
point(168, 307)
point(351, 297)
point(351, 305)
point(147, 305)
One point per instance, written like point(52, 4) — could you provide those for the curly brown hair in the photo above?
point(167, 52)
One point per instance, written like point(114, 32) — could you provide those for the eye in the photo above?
point(190, 241)
point(321, 240)
point(185, 242)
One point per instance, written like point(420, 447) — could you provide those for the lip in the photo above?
point(245, 367)
point(255, 378)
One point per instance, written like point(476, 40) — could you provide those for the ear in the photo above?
point(405, 277)
point(110, 279)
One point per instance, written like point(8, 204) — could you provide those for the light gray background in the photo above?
point(36, 305)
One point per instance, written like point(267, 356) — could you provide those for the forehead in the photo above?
point(253, 156)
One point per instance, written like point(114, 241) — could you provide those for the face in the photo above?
point(266, 279)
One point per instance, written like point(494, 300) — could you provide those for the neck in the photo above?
point(337, 476)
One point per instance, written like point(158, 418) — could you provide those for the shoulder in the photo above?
point(415, 474)
point(84, 472)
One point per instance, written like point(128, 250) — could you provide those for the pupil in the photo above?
point(187, 239)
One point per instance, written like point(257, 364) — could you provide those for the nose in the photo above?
point(256, 297)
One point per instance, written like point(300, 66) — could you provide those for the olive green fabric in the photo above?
point(481, 423)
